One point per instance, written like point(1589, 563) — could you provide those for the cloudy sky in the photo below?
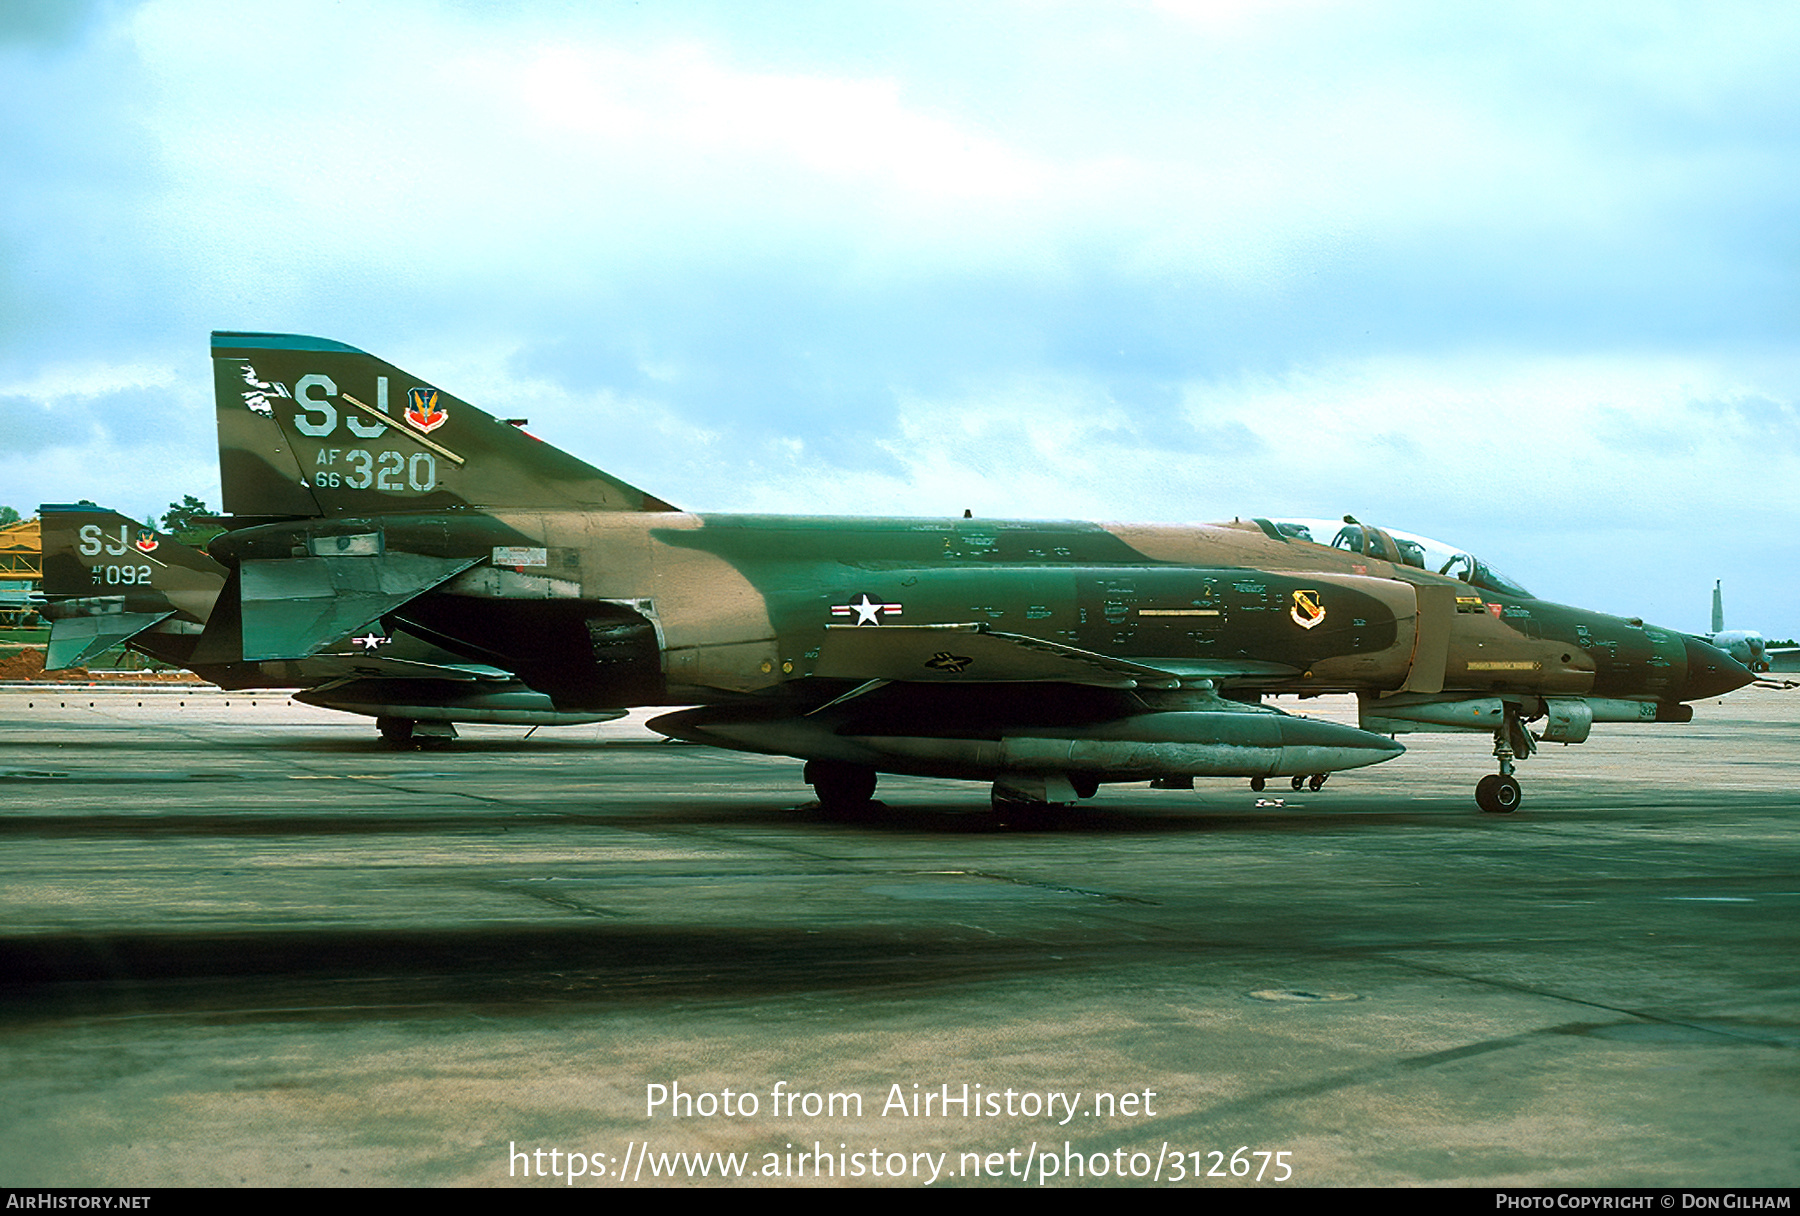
point(1519, 276)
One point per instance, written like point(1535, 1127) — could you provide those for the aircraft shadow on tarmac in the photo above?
point(914, 820)
point(1121, 817)
point(297, 974)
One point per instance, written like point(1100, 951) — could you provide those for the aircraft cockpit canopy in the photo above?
point(1400, 548)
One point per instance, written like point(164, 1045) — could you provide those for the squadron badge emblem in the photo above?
point(423, 410)
point(1307, 611)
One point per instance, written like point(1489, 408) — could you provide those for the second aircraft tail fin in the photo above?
point(109, 579)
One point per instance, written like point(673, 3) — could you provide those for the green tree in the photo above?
point(180, 515)
point(8, 516)
point(185, 521)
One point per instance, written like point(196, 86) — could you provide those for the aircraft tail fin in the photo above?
point(312, 427)
point(108, 579)
point(1718, 607)
point(91, 550)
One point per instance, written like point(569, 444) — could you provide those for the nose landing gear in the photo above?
point(1499, 793)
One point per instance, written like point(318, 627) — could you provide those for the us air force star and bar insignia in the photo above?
point(423, 410)
point(868, 611)
point(943, 660)
point(371, 641)
point(1307, 610)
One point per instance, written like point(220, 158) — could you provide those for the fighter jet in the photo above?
point(1046, 658)
point(109, 581)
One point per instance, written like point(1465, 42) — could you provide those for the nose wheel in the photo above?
point(1498, 794)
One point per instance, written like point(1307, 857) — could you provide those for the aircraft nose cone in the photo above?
point(1711, 672)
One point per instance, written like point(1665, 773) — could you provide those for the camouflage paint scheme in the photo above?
point(109, 580)
point(359, 494)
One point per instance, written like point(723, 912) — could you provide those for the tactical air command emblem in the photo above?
point(423, 410)
point(1307, 611)
point(146, 541)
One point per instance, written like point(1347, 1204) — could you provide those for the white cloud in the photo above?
point(1167, 260)
point(50, 384)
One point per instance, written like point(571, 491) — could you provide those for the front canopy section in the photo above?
point(1400, 548)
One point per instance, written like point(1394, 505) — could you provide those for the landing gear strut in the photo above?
point(1499, 793)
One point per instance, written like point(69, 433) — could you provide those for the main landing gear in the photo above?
point(839, 786)
point(843, 788)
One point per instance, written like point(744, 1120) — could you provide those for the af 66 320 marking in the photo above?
point(389, 472)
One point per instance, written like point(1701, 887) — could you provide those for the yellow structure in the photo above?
point(21, 564)
point(22, 550)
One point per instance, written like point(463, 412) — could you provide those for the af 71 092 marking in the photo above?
point(122, 576)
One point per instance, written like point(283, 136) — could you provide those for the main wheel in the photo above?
point(1498, 794)
point(1298, 781)
point(395, 732)
point(1257, 784)
point(840, 786)
point(1316, 781)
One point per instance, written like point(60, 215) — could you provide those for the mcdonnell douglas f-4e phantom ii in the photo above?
point(1048, 658)
point(110, 581)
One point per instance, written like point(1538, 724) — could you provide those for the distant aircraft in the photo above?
point(111, 581)
point(1048, 658)
point(1745, 645)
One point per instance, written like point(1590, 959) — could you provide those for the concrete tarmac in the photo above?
point(242, 943)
